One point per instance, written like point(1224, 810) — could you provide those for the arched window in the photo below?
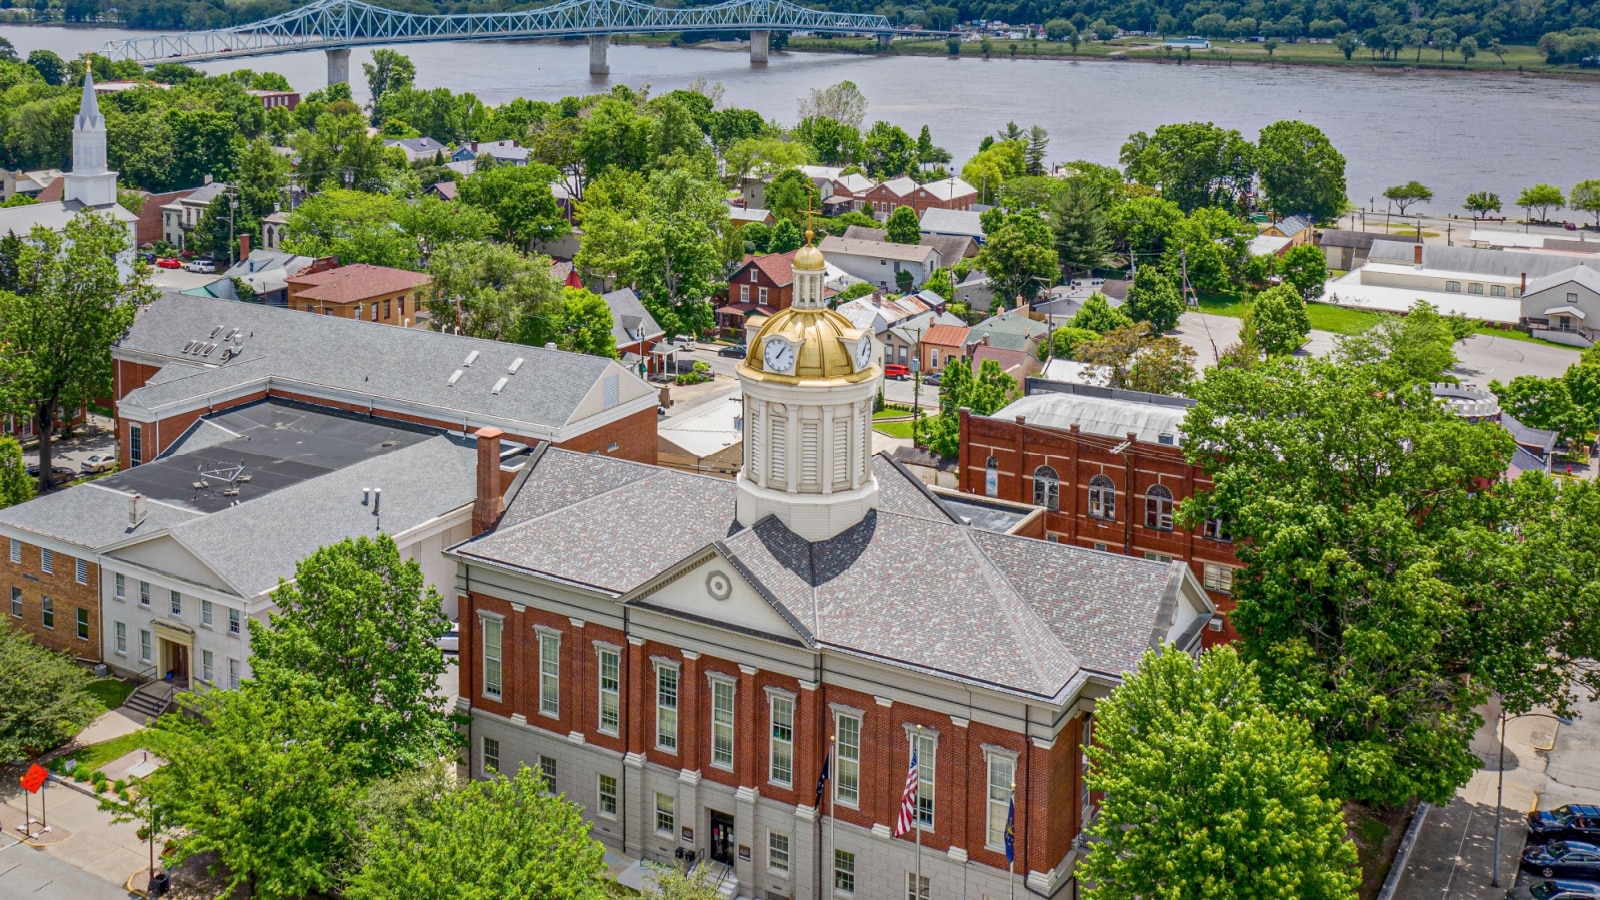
point(991, 477)
point(1158, 508)
point(1046, 488)
point(1102, 498)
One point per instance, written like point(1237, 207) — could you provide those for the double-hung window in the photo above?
point(1002, 775)
point(1217, 577)
point(1102, 498)
point(177, 603)
point(122, 639)
point(492, 626)
point(205, 613)
point(927, 744)
point(233, 673)
point(667, 707)
point(144, 645)
point(781, 755)
point(666, 823)
point(233, 621)
point(1158, 508)
point(208, 666)
point(80, 571)
point(547, 768)
point(144, 594)
point(610, 690)
point(847, 762)
point(47, 612)
point(120, 586)
point(16, 602)
point(722, 723)
point(777, 851)
point(608, 795)
point(549, 673)
point(83, 624)
point(1046, 488)
point(491, 755)
point(844, 871)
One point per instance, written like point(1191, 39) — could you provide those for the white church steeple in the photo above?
point(89, 182)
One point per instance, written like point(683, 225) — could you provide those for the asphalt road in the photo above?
point(36, 875)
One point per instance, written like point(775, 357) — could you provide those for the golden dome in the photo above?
point(809, 257)
point(826, 343)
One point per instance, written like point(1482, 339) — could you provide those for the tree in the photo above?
point(833, 143)
point(1210, 792)
point(520, 199)
point(1468, 48)
point(1278, 320)
point(70, 304)
point(1141, 226)
point(992, 168)
point(678, 883)
point(14, 484)
point(1443, 40)
point(1155, 300)
point(1098, 315)
point(339, 153)
point(262, 778)
point(577, 321)
point(360, 623)
point(1078, 226)
point(486, 290)
point(1194, 163)
point(1541, 197)
point(204, 142)
point(1406, 194)
point(1066, 342)
point(1347, 43)
point(505, 838)
point(1544, 403)
point(1498, 49)
point(1164, 365)
point(1385, 591)
point(51, 67)
point(1418, 347)
point(903, 226)
point(841, 102)
point(983, 393)
point(1038, 142)
point(889, 151)
point(390, 70)
point(357, 227)
point(785, 237)
point(1271, 45)
point(792, 196)
point(1305, 267)
point(1018, 254)
point(44, 697)
point(1301, 172)
point(1586, 198)
point(1056, 29)
point(1481, 204)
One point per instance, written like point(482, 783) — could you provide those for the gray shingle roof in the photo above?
point(411, 366)
point(630, 320)
point(1505, 263)
point(254, 544)
point(908, 585)
point(91, 516)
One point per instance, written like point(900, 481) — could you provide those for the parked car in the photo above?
point(1563, 858)
point(58, 474)
point(202, 266)
point(450, 641)
point(933, 379)
point(685, 340)
point(1570, 226)
point(1563, 889)
point(895, 370)
point(736, 351)
point(1574, 820)
point(167, 262)
point(100, 462)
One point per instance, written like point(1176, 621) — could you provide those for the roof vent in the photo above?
point(515, 365)
point(209, 348)
point(215, 330)
point(189, 346)
point(454, 377)
point(230, 334)
point(471, 358)
point(500, 385)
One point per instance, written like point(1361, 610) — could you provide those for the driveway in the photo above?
point(1483, 358)
point(95, 436)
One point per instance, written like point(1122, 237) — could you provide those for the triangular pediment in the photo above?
point(712, 587)
point(165, 553)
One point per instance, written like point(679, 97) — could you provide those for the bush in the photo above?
point(700, 374)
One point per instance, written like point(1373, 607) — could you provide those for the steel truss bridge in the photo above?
point(338, 25)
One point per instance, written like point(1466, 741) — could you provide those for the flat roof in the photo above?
point(982, 513)
point(278, 444)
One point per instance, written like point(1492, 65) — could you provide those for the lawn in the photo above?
point(110, 692)
point(95, 756)
point(1323, 316)
point(894, 429)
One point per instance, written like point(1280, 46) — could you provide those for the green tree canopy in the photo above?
point(1301, 172)
point(576, 320)
point(1544, 403)
point(1099, 316)
point(791, 195)
point(1482, 203)
point(44, 697)
point(487, 290)
point(503, 838)
point(1277, 320)
point(903, 226)
point(1194, 163)
point(1305, 267)
point(1019, 254)
point(520, 199)
point(983, 393)
point(1078, 224)
point(1418, 347)
point(1541, 197)
point(1405, 195)
point(361, 623)
point(15, 487)
point(389, 70)
point(1208, 792)
point(1154, 299)
point(355, 226)
point(1586, 198)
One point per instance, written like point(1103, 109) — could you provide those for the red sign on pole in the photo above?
point(35, 778)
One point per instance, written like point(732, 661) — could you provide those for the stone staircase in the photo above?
point(151, 699)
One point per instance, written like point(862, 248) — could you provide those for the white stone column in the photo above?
point(759, 42)
point(597, 54)
point(338, 66)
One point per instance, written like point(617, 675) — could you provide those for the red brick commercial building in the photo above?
point(188, 356)
point(1109, 470)
point(951, 193)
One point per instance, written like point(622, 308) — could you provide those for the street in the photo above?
point(26, 872)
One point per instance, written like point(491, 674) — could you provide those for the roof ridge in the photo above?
point(993, 574)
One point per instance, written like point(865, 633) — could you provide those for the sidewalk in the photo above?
point(1454, 854)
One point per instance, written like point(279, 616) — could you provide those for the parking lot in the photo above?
point(92, 438)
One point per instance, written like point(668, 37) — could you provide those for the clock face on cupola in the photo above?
point(808, 387)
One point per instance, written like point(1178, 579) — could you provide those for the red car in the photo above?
point(168, 262)
point(895, 370)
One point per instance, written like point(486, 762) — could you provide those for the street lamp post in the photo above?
point(1500, 789)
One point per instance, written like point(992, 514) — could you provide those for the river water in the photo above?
point(1456, 134)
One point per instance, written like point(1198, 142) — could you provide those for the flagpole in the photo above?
point(1011, 858)
point(833, 821)
point(916, 813)
point(44, 809)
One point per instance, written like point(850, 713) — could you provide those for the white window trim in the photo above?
point(483, 756)
point(600, 649)
point(773, 696)
point(715, 679)
point(599, 793)
point(991, 753)
point(483, 666)
point(672, 801)
point(661, 664)
point(119, 587)
point(543, 633)
point(119, 637)
point(860, 717)
point(932, 736)
point(788, 853)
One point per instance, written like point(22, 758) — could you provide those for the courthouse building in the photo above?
point(677, 653)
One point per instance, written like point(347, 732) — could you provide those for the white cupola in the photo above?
point(89, 182)
point(809, 382)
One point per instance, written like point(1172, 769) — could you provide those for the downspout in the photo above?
point(627, 739)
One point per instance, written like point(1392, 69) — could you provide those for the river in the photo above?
point(1457, 134)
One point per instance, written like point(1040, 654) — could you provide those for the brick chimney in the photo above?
point(1416, 254)
point(244, 246)
point(490, 502)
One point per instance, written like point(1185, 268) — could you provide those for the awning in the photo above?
point(1566, 311)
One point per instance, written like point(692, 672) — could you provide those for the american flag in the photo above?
point(908, 800)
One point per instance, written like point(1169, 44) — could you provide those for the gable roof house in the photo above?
point(764, 284)
point(186, 356)
point(361, 292)
point(879, 262)
point(951, 248)
point(510, 153)
point(950, 193)
point(1564, 306)
point(632, 326)
point(953, 222)
point(420, 149)
point(824, 592)
point(180, 216)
